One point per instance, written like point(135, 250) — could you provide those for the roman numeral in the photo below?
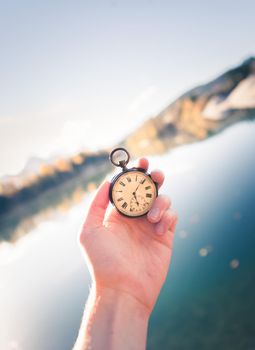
point(128, 178)
point(147, 187)
point(149, 195)
point(136, 178)
point(143, 181)
point(120, 199)
point(124, 205)
point(122, 183)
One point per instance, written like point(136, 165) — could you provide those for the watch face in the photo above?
point(133, 193)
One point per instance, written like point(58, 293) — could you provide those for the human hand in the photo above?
point(129, 256)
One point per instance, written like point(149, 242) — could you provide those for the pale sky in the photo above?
point(79, 74)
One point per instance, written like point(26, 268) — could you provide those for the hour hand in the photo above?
point(135, 198)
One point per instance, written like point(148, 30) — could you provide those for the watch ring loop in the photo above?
point(121, 163)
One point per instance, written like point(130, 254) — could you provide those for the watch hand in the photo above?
point(137, 188)
point(135, 198)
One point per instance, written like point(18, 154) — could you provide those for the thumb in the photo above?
point(98, 206)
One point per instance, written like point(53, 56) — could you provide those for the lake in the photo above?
point(208, 300)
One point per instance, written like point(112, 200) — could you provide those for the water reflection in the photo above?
point(208, 299)
point(234, 264)
point(21, 220)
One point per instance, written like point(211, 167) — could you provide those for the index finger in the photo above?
point(156, 174)
point(142, 163)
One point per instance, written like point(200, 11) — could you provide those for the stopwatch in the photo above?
point(133, 190)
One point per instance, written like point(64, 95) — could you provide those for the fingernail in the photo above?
point(154, 213)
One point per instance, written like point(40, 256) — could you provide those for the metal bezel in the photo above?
point(114, 179)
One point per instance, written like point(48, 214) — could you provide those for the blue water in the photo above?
point(208, 299)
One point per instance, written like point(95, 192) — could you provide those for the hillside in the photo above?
point(199, 113)
point(196, 115)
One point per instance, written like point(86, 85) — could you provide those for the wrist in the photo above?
point(121, 301)
point(113, 320)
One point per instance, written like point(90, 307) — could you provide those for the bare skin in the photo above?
point(128, 260)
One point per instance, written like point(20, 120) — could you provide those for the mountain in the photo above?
point(199, 113)
point(196, 115)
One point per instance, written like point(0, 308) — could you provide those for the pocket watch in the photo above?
point(132, 191)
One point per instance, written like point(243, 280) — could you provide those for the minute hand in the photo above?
point(136, 188)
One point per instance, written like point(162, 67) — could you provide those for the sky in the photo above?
point(83, 74)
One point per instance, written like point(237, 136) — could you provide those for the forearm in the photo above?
point(113, 320)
